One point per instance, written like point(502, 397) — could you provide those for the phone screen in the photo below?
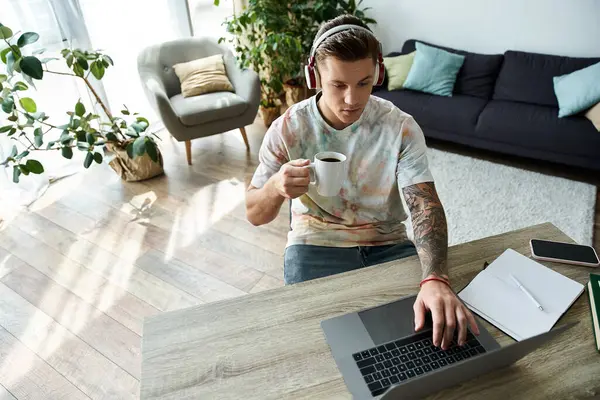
point(564, 251)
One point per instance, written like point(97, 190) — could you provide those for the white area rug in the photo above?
point(482, 198)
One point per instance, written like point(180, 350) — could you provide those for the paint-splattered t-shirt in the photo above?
point(386, 151)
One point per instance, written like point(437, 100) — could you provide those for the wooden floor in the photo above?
point(95, 256)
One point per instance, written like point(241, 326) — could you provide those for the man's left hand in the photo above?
point(447, 312)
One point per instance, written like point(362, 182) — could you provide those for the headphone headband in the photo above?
point(337, 29)
point(312, 77)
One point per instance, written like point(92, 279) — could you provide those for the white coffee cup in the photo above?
point(328, 172)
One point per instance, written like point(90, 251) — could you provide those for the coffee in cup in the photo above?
point(328, 172)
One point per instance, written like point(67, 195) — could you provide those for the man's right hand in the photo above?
point(293, 179)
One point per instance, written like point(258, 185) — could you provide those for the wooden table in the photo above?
point(270, 344)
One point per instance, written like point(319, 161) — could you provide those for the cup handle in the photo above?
point(312, 173)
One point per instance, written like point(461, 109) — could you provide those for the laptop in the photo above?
point(380, 356)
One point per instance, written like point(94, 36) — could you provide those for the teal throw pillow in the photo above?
point(434, 70)
point(577, 91)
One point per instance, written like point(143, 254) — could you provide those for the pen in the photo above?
point(538, 305)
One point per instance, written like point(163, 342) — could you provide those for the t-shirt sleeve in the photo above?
point(271, 156)
point(413, 166)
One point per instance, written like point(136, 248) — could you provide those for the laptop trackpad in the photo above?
point(391, 321)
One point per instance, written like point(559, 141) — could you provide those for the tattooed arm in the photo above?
point(430, 228)
point(431, 240)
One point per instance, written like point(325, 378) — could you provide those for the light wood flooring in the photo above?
point(79, 273)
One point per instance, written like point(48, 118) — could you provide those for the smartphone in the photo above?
point(564, 252)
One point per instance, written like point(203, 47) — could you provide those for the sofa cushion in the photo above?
point(577, 91)
point(457, 114)
point(434, 70)
point(538, 127)
point(478, 74)
point(397, 69)
point(528, 77)
point(208, 107)
point(204, 75)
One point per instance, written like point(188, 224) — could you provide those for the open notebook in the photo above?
point(494, 295)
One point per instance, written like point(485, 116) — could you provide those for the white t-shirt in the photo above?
point(385, 151)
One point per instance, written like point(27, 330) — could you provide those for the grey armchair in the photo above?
point(204, 115)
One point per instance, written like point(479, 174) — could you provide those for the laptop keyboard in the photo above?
point(400, 360)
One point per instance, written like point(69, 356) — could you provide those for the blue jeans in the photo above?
point(305, 262)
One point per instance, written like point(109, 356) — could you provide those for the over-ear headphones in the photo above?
point(310, 72)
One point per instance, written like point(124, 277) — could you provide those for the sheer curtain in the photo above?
point(120, 28)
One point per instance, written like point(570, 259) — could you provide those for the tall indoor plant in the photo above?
point(264, 42)
point(29, 128)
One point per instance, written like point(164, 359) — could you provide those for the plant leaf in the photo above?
point(32, 67)
point(37, 137)
point(89, 157)
point(5, 32)
point(8, 104)
point(78, 70)
point(3, 78)
point(98, 158)
point(20, 86)
point(27, 38)
point(5, 128)
point(79, 109)
point(10, 63)
point(111, 137)
point(13, 152)
point(4, 53)
point(91, 139)
point(24, 169)
point(97, 69)
point(28, 104)
point(22, 155)
point(34, 166)
point(16, 174)
point(29, 80)
point(129, 150)
point(139, 146)
point(151, 149)
point(67, 152)
point(82, 62)
point(69, 59)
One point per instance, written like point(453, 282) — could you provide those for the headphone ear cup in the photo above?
point(309, 74)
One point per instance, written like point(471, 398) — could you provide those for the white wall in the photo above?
point(563, 27)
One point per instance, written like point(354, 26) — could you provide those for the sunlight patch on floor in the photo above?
point(206, 207)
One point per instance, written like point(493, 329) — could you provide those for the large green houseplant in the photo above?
point(263, 42)
point(29, 127)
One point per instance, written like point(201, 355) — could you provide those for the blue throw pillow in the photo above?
point(434, 70)
point(577, 91)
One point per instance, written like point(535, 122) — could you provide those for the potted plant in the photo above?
point(136, 155)
point(264, 42)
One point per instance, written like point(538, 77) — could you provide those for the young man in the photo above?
point(386, 154)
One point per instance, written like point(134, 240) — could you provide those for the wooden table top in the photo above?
point(270, 344)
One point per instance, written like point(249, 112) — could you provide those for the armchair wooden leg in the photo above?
point(188, 151)
point(243, 131)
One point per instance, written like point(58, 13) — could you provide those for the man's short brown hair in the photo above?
point(350, 45)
